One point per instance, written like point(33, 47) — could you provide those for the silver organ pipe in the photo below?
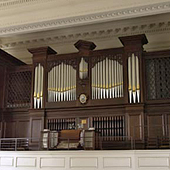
point(113, 79)
point(110, 79)
point(101, 80)
point(56, 84)
point(41, 86)
point(59, 82)
point(133, 79)
point(38, 86)
point(104, 78)
point(98, 80)
point(83, 69)
point(107, 78)
point(93, 88)
point(35, 87)
point(62, 83)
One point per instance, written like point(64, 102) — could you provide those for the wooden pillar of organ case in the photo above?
point(134, 85)
point(133, 63)
point(83, 84)
point(39, 81)
point(39, 91)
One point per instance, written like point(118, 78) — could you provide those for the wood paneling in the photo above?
point(36, 128)
point(135, 126)
point(10, 129)
point(23, 129)
point(2, 76)
point(155, 125)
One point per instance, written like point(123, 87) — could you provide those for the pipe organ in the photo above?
point(38, 86)
point(133, 78)
point(62, 82)
point(61, 124)
point(118, 104)
point(107, 78)
point(112, 127)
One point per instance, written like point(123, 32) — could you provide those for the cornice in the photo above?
point(87, 19)
point(151, 28)
point(4, 4)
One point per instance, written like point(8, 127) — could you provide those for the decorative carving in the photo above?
point(107, 33)
point(158, 78)
point(19, 89)
point(9, 3)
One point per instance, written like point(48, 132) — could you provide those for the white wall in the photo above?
point(86, 160)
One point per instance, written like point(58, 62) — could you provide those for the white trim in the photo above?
point(88, 19)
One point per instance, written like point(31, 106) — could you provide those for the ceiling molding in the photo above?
point(87, 19)
point(104, 33)
point(5, 4)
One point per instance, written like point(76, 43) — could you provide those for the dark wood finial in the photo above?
point(84, 45)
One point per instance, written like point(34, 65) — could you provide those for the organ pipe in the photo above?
point(38, 86)
point(133, 79)
point(62, 83)
point(107, 78)
point(83, 69)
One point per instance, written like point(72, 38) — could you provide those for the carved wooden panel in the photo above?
point(135, 126)
point(18, 89)
point(10, 129)
point(36, 128)
point(158, 78)
point(23, 128)
point(2, 74)
point(155, 126)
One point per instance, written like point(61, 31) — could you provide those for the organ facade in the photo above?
point(123, 93)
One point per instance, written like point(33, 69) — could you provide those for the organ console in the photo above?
point(109, 87)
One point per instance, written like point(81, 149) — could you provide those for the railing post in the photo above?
point(15, 144)
point(68, 144)
point(0, 144)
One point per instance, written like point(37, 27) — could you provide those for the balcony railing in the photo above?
point(153, 137)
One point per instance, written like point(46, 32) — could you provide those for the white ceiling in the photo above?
point(60, 23)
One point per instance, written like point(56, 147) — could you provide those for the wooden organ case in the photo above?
point(122, 93)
